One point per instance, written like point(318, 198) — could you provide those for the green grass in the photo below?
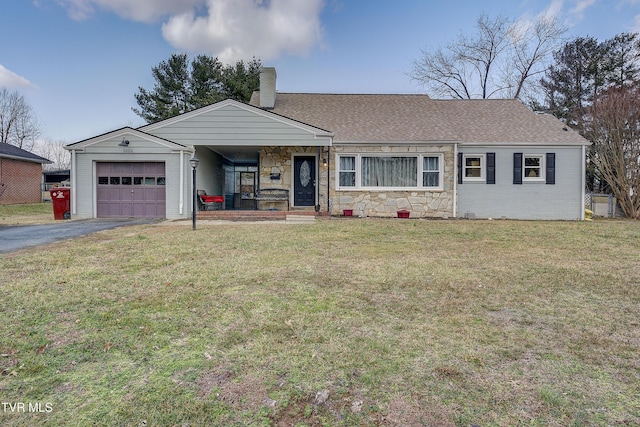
point(29, 213)
point(401, 322)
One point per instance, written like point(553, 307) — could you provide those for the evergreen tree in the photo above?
point(573, 80)
point(586, 72)
point(182, 86)
point(622, 59)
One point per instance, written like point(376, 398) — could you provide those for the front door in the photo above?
point(304, 181)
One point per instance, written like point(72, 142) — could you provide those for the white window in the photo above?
point(390, 172)
point(533, 168)
point(473, 167)
point(431, 171)
point(347, 171)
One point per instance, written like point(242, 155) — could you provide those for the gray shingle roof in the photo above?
point(420, 118)
point(12, 152)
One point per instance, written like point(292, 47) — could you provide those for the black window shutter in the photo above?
point(517, 168)
point(551, 168)
point(459, 168)
point(491, 168)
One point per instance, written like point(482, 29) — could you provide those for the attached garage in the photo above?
point(130, 189)
point(128, 173)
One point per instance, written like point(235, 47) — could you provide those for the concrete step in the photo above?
point(301, 218)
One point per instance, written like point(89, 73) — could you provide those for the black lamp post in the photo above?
point(194, 164)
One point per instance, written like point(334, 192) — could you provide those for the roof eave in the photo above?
point(26, 159)
point(525, 143)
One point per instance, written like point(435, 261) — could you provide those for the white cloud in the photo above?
point(526, 22)
point(9, 79)
point(554, 9)
point(580, 7)
point(575, 10)
point(636, 18)
point(240, 29)
point(228, 29)
point(136, 10)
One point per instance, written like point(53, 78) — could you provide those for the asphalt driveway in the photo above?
point(13, 238)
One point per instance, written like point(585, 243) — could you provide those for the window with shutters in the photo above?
point(532, 168)
point(473, 168)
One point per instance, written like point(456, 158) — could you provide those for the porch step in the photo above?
point(300, 218)
point(240, 215)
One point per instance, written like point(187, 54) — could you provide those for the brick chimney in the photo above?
point(267, 87)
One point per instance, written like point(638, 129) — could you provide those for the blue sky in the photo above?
point(80, 62)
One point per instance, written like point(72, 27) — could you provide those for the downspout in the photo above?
point(181, 201)
point(455, 180)
point(74, 209)
point(583, 181)
point(317, 204)
point(328, 179)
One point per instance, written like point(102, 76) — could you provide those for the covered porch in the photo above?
point(243, 149)
point(277, 180)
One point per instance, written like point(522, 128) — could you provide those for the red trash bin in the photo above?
point(61, 199)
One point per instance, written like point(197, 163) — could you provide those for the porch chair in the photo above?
point(209, 203)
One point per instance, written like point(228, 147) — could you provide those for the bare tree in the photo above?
point(615, 133)
point(498, 61)
point(533, 45)
point(54, 151)
point(19, 125)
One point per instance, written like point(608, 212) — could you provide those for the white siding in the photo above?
point(210, 171)
point(232, 125)
point(140, 151)
point(529, 200)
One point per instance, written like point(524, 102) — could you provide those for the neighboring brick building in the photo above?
point(20, 175)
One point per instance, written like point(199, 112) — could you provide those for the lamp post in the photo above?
point(194, 164)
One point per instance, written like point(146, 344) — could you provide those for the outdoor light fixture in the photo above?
point(324, 162)
point(194, 164)
point(124, 143)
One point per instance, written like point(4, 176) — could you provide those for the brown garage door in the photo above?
point(131, 190)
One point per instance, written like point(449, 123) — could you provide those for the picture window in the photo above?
point(382, 172)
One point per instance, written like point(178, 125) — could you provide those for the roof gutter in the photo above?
point(25, 159)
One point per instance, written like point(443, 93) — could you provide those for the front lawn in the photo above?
point(336, 323)
point(28, 213)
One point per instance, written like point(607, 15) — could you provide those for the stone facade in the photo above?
point(278, 162)
point(276, 171)
point(385, 203)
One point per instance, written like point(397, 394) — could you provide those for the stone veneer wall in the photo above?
point(274, 160)
point(420, 203)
